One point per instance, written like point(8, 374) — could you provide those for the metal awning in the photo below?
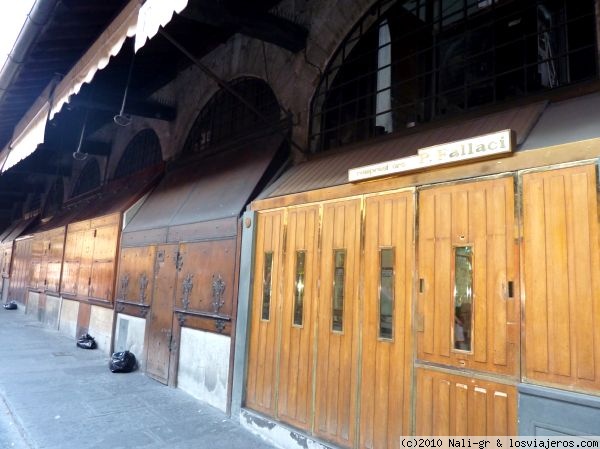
point(212, 189)
point(133, 19)
point(330, 170)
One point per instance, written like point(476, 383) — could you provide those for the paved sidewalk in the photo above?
point(54, 395)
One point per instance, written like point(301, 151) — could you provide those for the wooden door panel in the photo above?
point(85, 264)
point(105, 242)
point(299, 293)
point(136, 274)
point(161, 313)
point(265, 317)
point(337, 359)
point(562, 277)
point(387, 346)
point(53, 276)
point(475, 218)
point(102, 280)
point(69, 277)
point(202, 264)
point(450, 404)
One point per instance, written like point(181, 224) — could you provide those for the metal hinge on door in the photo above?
point(178, 261)
point(170, 337)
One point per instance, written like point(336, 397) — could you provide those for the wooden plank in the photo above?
point(461, 395)
point(427, 264)
point(443, 309)
point(441, 407)
point(535, 272)
point(558, 308)
point(498, 277)
point(582, 288)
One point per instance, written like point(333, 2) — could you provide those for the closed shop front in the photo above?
point(421, 303)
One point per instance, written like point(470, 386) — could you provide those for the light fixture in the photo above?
point(121, 118)
point(78, 155)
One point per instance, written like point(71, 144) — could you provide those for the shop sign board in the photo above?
point(485, 146)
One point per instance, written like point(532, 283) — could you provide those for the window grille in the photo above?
point(226, 119)
point(409, 62)
point(142, 151)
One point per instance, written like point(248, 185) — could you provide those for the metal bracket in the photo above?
point(188, 284)
point(123, 286)
point(144, 312)
point(218, 287)
point(181, 319)
point(220, 326)
point(143, 286)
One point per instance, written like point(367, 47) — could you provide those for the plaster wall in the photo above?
point(33, 300)
point(129, 336)
point(204, 366)
point(68, 318)
point(101, 321)
point(52, 311)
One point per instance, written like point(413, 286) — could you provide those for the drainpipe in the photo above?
point(36, 20)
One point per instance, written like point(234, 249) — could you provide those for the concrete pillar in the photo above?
point(242, 329)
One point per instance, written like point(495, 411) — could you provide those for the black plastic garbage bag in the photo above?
point(11, 305)
point(86, 341)
point(122, 362)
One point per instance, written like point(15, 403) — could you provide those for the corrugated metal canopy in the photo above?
point(210, 189)
point(19, 228)
point(114, 197)
point(331, 170)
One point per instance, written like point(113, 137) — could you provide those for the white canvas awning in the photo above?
point(153, 15)
point(143, 21)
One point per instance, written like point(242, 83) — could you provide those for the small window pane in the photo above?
point(267, 281)
point(386, 293)
point(339, 259)
point(463, 297)
point(299, 288)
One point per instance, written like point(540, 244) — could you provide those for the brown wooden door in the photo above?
point(468, 308)
point(561, 271)
point(337, 343)
point(160, 328)
point(386, 321)
point(299, 293)
point(265, 318)
point(468, 290)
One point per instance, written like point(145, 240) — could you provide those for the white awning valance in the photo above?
point(29, 132)
point(153, 15)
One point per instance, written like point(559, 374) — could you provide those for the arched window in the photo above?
point(89, 178)
point(142, 151)
point(226, 119)
point(408, 62)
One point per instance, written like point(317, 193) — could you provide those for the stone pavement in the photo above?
point(54, 395)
